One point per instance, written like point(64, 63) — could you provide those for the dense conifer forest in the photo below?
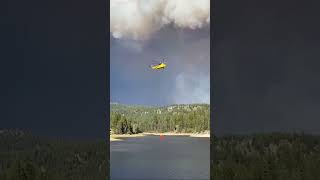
point(188, 118)
point(266, 157)
point(27, 157)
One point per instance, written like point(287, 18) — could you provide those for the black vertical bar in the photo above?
point(107, 96)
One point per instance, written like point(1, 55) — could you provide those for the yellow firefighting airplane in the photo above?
point(159, 66)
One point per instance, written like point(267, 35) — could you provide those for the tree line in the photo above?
point(27, 157)
point(175, 118)
point(273, 156)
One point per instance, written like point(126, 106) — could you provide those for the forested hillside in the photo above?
point(266, 156)
point(174, 118)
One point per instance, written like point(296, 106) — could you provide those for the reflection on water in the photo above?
point(173, 157)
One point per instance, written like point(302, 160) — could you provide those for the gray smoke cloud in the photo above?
point(135, 24)
point(192, 84)
point(139, 19)
point(192, 88)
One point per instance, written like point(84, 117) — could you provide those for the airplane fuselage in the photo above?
point(159, 66)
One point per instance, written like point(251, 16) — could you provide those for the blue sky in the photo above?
point(185, 80)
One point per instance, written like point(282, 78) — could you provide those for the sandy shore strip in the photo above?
point(180, 134)
point(115, 139)
point(118, 137)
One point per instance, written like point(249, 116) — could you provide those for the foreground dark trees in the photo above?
point(266, 157)
point(25, 157)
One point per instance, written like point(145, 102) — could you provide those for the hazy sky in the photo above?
point(170, 30)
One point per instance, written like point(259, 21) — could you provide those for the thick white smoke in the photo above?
point(138, 19)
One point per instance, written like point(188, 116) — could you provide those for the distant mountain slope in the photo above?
point(120, 108)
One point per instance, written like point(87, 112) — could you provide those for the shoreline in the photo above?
point(118, 137)
point(179, 134)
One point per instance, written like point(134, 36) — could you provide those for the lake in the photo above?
point(155, 158)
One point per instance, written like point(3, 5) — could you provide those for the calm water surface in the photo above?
point(148, 158)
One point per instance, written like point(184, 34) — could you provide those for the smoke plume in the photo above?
point(192, 88)
point(139, 19)
point(192, 83)
point(177, 30)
